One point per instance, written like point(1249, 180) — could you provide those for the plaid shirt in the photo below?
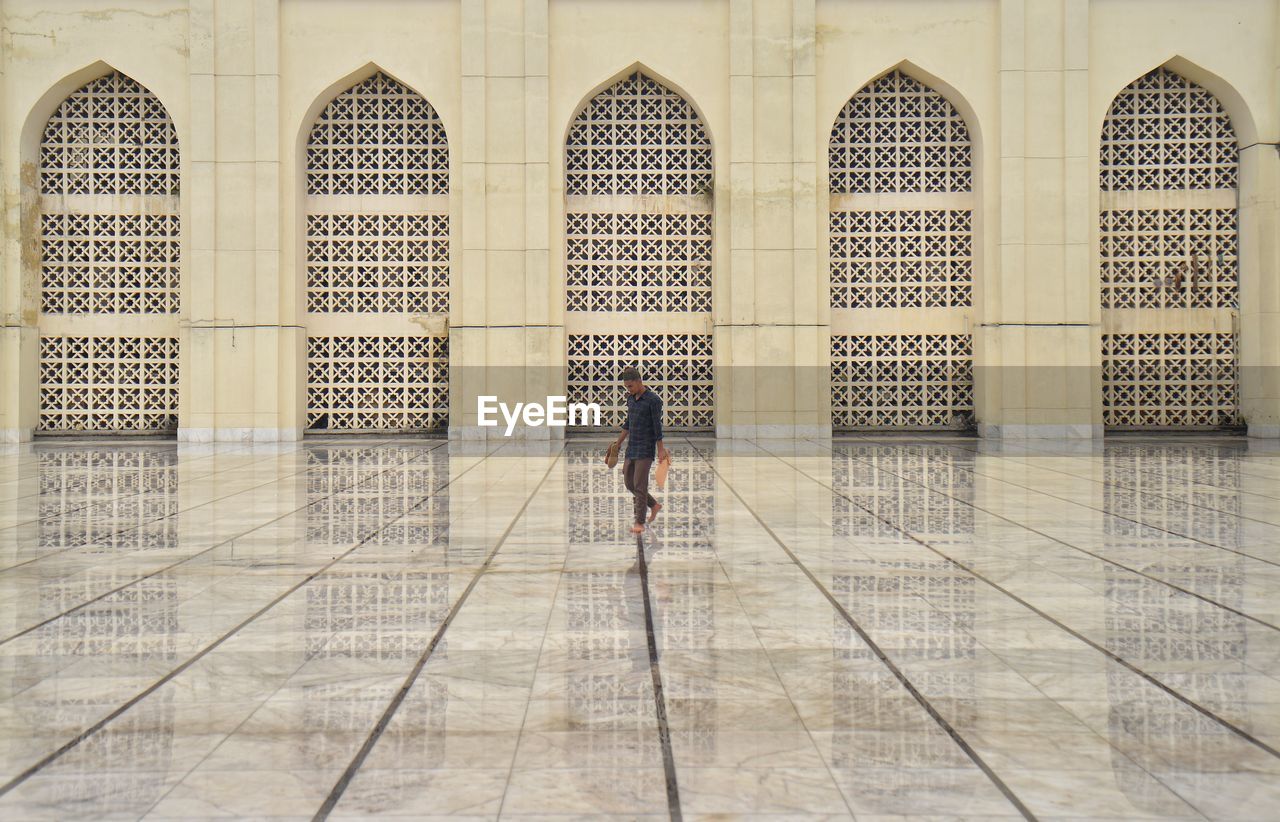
point(643, 425)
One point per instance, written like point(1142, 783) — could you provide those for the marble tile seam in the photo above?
point(339, 788)
point(659, 698)
point(89, 732)
point(144, 577)
point(1178, 588)
point(1206, 712)
point(875, 648)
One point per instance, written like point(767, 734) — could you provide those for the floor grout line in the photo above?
point(70, 745)
point(340, 787)
point(659, 699)
point(897, 672)
point(1099, 648)
point(768, 656)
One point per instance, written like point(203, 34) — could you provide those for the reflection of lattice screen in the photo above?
point(117, 499)
point(1188, 490)
point(1141, 248)
point(638, 262)
point(378, 383)
point(597, 502)
point(918, 259)
point(378, 263)
point(897, 134)
point(390, 614)
point(676, 366)
point(1165, 134)
point(862, 474)
point(108, 383)
point(380, 495)
point(901, 380)
point(1169, 380)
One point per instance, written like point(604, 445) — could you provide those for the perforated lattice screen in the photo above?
point(108, 383)
point(1174, 250)
point(377, 244)
point(638, 229)
point(676, 366)
point(901, 380)
point(898, 137)
point(109, 245)
point(377, 383)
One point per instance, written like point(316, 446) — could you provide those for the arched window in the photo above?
point(1168, 255)
point(901, 237)
point(377, 257)
point(109, 248)
point(638, 224)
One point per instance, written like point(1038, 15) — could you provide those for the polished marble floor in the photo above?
point(869, 627)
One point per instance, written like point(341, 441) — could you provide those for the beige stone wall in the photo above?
point(244, 79)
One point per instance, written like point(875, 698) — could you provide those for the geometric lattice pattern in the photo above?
point(1165, 133)
point(1169, 380)
point(638, 262)
point(899, 135)
point(378, 137)
point(378, 243)
point(676, 366)
point(901, 259)
point(112, 136)
point(109, 263)
point(109, 384)
point(1144, 251)
point(378, 263)
point(377, 383)
point(638, 137)
point(901, 380)
point(109, 244)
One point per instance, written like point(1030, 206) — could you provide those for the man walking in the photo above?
point(644, 427)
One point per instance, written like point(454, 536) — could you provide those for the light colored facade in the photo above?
point(1022, 286)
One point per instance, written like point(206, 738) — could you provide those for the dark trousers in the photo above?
point(635, 475)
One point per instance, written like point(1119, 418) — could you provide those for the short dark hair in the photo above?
point(629, 373)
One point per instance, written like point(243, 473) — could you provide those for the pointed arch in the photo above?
point(901, 236)
point(1168, 256)
point(639, 181)
point(107, 187)
point(376, 172)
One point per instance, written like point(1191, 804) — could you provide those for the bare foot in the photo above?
point(653, 512)
point(637, 528)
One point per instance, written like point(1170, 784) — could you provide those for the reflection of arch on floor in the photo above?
point(638, 229)
point(377, 246)
point(110, 248)
point(1168, 239)
point(901, 236)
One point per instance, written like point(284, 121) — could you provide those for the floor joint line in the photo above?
point(898, 674)
point(73, 743)
point(340, 787)
point(1062, 626)
point(659, 698)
